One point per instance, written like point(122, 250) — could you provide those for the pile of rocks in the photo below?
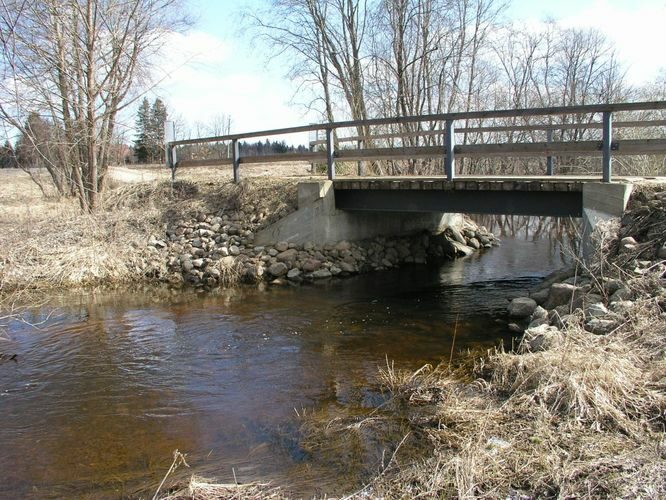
point(218, 249)
point(601, 304)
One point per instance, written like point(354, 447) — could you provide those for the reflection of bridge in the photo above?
point(350, 206)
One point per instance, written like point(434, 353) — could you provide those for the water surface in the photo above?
point(109, 385)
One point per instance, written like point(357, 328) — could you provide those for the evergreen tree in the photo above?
point(8, 156)
point(158, 115)
point(141, 144)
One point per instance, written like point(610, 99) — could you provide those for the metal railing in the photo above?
point(448, 150)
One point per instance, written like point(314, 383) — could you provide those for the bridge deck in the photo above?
point(558, 196)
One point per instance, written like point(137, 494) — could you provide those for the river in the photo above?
point(107, 385)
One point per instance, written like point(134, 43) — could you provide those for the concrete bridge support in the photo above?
point(601, 202)
point(319, 221)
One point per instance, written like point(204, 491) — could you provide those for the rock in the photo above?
point(600, 326)
point(311, 265)
point(321, 274)
point(187, 265)
point(308, 246)
point(234, 250)
point(224, 251)
point(620, 295)
point(196, 243)
point(628, 241)
point(457, 236)
point(288, 256)
point(347, 267)
point(539, 313)
point(273, 252)
point(538, 322)
point(522, 307)
point(474, 243)
point(343, 245)
point(563, 294)
point(540, 296)
point(596, 310)
point(621, 306)
point(278, 269)
point(661, 253)
point(198, 262)
point(541, 338)
point(335, 270)
point(515, 328)
point(282, 246)
point(462, 249)
point(293, 274)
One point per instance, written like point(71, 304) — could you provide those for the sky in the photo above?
point(216, 68)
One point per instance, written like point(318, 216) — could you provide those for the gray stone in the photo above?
point(474, 243)
point(621, 306)
point(196, 243)
point(563, 293)
point(308, 246)
point(541, 338)
point(462, 249)
point(600, 326)
point(515, 328)
point(540, 296)
point(198, 262)
point(522, 307)
point(321, 274)
point(620, 295)
point(347, 267)
point(234, 250)
point(628, 241)
point(596, 310)
point(311, 265)
point(288, 255)
point(335, 270)
point(293, 274)
point(187, 265)
point(661, 253)
point(282, 246)
point(278, 269)
point(539, 313)
point(457, 236)
point(272, 252)
point(342, 245)
point(538, 322)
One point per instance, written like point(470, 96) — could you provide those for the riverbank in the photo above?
point(194, 233)
point(578, 410)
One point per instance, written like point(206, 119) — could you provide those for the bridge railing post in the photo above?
point(449, 146)
point(235, 148)
point(549, 160)
point(606, 160)
point(359, 165)
point(330, 154)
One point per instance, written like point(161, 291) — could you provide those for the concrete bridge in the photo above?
point(358, 207)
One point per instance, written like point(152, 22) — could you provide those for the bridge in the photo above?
point(443, 153)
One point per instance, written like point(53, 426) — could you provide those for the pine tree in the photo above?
point(158, 115)
point(142, 142)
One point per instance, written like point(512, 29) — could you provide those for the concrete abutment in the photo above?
point(318, 220)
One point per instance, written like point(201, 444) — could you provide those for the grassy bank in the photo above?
point(48, 244)
point(569, 414)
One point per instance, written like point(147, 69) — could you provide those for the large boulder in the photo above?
point(564, 294)
point(522, 307)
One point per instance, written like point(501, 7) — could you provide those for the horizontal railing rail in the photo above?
point(449, 150)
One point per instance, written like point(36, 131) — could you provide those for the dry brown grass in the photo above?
point(585, 418)
point(49, 244)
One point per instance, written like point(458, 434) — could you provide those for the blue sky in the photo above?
point(216, 69)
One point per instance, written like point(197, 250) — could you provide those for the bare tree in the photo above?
point(76, 63)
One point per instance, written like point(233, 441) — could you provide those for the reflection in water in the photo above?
point(111, 384)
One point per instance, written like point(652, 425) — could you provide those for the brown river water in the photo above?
point(107, 385)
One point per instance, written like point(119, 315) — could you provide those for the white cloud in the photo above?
point(209, 76)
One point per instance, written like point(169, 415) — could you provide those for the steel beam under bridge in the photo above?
point(506, 197)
